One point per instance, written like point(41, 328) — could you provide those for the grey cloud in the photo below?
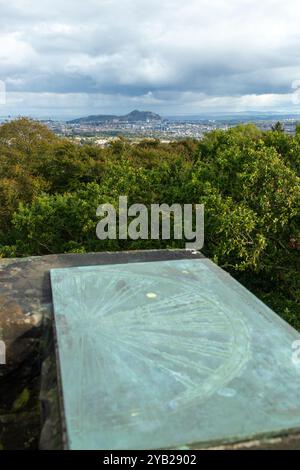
point(134, 49)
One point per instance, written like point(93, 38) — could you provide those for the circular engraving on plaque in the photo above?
point(163, 355)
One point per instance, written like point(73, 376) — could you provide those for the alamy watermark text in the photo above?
point(137, 222)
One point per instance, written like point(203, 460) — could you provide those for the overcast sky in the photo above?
point(170, 56)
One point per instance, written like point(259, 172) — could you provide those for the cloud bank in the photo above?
point(170, 56)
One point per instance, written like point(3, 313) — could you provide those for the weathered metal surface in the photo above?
point(167, 354)
point(25, 326)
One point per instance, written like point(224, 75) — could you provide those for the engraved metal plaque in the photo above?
point(170, 353)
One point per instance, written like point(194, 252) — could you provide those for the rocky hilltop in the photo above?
point(134, 116)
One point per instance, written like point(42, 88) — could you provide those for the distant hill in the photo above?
point(141, 116)
point(134, 116)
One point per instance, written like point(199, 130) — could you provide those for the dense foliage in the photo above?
point(247, 179)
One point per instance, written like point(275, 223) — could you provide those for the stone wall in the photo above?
point(28, 380)
point(21, 324)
